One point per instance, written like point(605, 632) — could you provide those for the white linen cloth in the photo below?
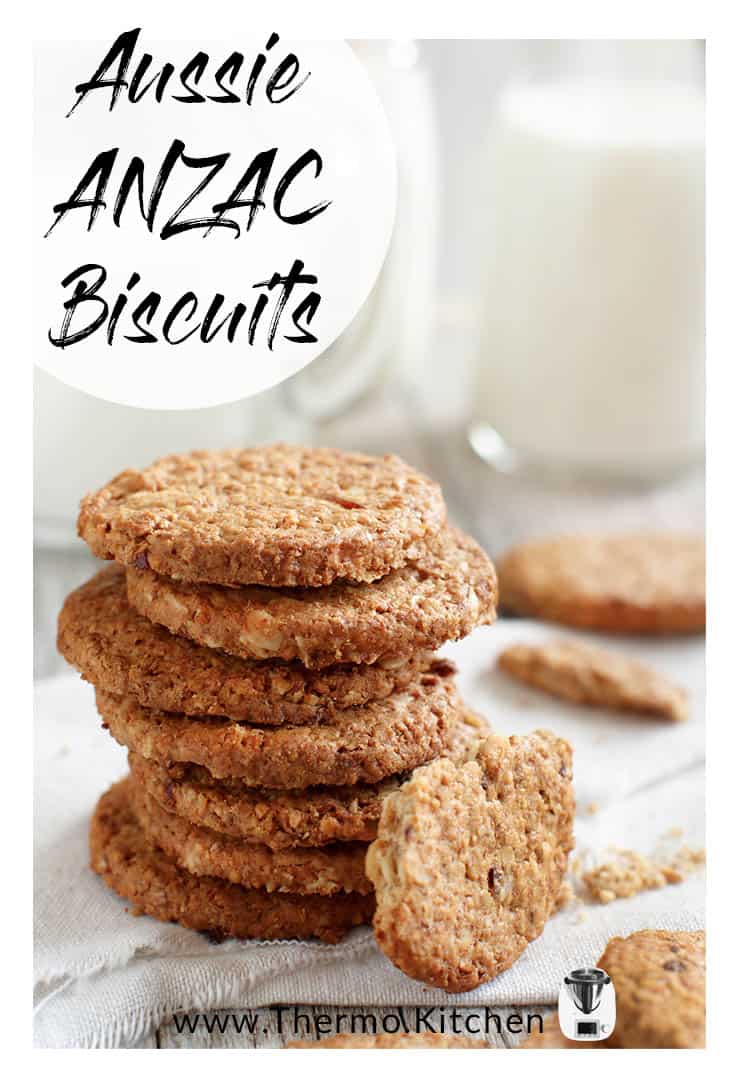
point(103, 978)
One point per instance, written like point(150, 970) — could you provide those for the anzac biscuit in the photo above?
point(469, 860)
point(155, 885)
point(441, 597)
point(118, 650)
point(425, 1040)
point(636, 584)
point(283, 819)
point(659, 980)
point(275, 515)
point(323, 871)
point(588, 675)
point(368, 744)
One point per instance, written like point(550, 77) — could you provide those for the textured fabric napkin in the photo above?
point(103, 978)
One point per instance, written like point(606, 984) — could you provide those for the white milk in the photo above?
point(592, 342)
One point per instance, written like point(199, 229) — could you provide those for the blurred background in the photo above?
point(536, 338)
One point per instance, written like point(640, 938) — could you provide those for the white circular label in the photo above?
point(208, 216)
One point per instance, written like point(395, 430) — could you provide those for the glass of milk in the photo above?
point(591, 338)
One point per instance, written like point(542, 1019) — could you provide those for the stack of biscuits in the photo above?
point(264, 646)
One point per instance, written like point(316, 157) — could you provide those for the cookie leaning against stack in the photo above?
point(265, 650)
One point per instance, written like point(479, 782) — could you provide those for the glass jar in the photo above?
point(591, 343)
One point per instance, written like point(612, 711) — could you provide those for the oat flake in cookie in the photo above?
point(154, 885)
point(277, 515)
point(469, 860)
point(440, 597)
point(636, 584)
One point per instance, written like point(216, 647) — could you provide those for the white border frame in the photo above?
point(429, 19)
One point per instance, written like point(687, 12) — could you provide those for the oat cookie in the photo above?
point(443, 596)
point(154, 885)
point(636, 584)
point(589, 675)
point(117, 649)
point(378, 740)
point(469, 860)
point(324, 871)
point(425, 1040)
point(659, 980)
point(283, 819)
point(275, 515)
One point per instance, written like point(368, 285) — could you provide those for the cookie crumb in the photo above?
point(576, 866)
point(630, 873)
point(567, 896)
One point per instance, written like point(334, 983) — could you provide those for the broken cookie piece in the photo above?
point(630, 873)
point(589, 675)
point(469, 860)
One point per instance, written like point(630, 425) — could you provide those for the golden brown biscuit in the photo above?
point(659, 980)
point(322, 871)
point(589, 675)
point(368, 744)
point(283, 819)
point(156, 886)
point(424, 1040)
point(274, 515)
point(441, 597)
point(635, 584)
point(118, 650)
point(469, 860)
